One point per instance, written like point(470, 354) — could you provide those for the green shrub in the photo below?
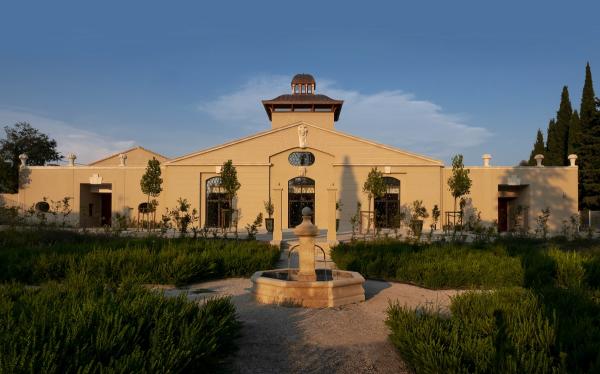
point(48, 256)
point(491, 332)
point(434, 266)
point(83, 326)
point(570, 272)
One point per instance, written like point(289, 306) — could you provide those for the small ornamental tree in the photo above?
point(151, 184)
point(459, 183)
point(229, 182)
point(374, 187)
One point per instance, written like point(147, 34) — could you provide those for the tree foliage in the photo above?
point(538, 148)
point(558, 133)
point(589, 148)
point(460, 182)
point(588, 105)
point(589, 169)
point(151, 182)
point(229, 180)
point(574, 134)
point(374, 187)
point(23, 138)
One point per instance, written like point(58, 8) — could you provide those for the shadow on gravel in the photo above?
point(373, 287)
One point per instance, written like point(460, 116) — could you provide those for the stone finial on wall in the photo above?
point(572, 159)
point(71, 157)
point(486, 160)
point(23, 157)
point(538, 160)
point(122, 159)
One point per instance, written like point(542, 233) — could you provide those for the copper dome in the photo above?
point(303, 79)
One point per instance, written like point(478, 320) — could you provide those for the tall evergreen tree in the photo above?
point(552, 155)
point(589, 169)
point(563, 119)
point(574, 134)
point(588, 105)
point(538, 148)
point(589, 155)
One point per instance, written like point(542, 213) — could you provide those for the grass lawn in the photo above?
point(541, 315)
point(89, 312)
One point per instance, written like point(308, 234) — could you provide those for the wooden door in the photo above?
point(502, 214)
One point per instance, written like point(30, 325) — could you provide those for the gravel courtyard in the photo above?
point(347, 339)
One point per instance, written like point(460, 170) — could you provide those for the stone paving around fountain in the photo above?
point(348, 339)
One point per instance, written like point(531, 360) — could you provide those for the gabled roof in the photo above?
point(127, 151)
point(283, 128)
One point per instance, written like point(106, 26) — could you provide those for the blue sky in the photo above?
point(433, 77)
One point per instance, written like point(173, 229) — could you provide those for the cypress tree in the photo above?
point(589, 169)
point(552, 155)
point(538, 148)
point(563, 119)
point(574, 134)
point(588, 105)
point(589, 156)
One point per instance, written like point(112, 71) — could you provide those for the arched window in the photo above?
point(218, 211)
point(387, 207)
point(301, 193)
point(301, 158)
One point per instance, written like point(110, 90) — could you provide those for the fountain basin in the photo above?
point(332, 288)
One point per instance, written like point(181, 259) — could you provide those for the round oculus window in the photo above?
point(301, 158)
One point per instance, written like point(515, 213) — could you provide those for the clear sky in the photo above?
point(433, 77)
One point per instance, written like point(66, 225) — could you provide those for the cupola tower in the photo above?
point(303, 104)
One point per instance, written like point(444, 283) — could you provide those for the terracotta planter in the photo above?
point(269, 224)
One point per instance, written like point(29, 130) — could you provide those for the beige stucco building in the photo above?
point(302, 159)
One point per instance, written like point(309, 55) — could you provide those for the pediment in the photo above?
point(137, 156)
point(347, 149)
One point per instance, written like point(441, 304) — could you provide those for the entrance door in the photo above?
point(502, 214)
point(387, 207)
point(105, 209)
point(301, 193)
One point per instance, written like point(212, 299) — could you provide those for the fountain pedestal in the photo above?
point(306, 233)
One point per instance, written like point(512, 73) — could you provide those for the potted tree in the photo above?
point(231, 185)
point(435, 215)
point(151, 185)
point(460, 185)
point(374, 187)
point(338, 208)
point(418, 213)
point(269, 222)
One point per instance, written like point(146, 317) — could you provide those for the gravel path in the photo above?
point(347, 339)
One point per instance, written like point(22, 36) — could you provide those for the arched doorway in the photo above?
point(387, 207)
point(217, 205)
point(301, 193)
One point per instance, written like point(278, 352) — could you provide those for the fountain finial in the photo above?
point(306, 228)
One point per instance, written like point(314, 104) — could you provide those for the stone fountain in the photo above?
point(307, 286)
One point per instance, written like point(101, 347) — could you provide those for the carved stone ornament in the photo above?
point(302, 136)
point(95, 179)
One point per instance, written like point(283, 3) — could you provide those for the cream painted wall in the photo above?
point(321, 119)
point(553, 187)
point(340, 169)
